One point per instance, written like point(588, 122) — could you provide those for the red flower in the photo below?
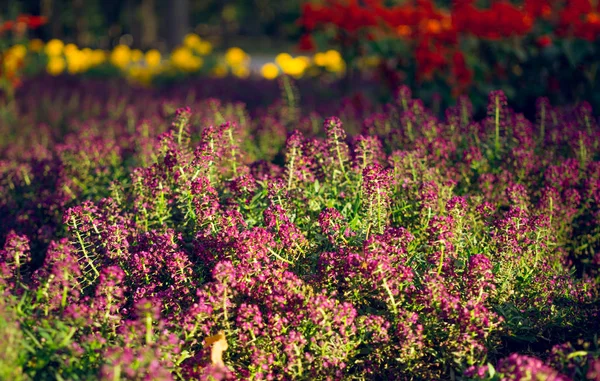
point(32, 22)
point(538, 8)
point(313, 15)
point(573, 13)
point(503, 19)
point(306, 43)
point(429, 60)
point(461, 72)
point(8, 25)
point(544, 41)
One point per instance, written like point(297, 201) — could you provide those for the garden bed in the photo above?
point(146, 240)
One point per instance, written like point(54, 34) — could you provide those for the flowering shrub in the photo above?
point(145, 241)
point(528, 48)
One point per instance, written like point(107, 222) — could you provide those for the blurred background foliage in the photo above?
point(264, 25)
point(441, 49)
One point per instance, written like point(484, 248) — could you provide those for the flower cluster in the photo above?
point(145, 241)
point(446, 41)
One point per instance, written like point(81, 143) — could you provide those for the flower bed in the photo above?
point(145, 241)
point(528, 48)
point(22, 58)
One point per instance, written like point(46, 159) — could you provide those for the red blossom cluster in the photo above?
point(579, 18)
point(435, 32)
point(23, 22)
point(501, 20)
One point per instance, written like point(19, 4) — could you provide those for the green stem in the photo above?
point(391, 296)
point(291, 171)
point(148, 329)
point(441, 261)
point(233, 152)
point(497, 123)
point(82, 244)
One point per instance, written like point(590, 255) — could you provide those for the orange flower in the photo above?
point(546, 11)
point(433, 26)
point(592, 18)
point(404, 30)
point(538, 8)
point(447, 22)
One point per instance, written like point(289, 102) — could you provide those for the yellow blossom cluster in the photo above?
point(184, 59)
point(13, 58)
point(189, 56)
point(300, 66)
point(193, 55)
point(238, 62)
point(69, 57)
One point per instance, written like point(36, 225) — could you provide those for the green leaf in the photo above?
point(577, 354)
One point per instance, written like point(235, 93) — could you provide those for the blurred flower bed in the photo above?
point(194, 57)
point(530, 49)
point(527, 48)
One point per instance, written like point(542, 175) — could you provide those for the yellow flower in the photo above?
point(241, 71)
point(70, 48)
point(282, 59)
point(141, 75)
point(191, 40)
point(204, 48)
point(320, 59)
point(79, 61)
point(236, 57)
point(120, 56)
point(137, 55)
point(269, 71)
point(338, 67)
point(14, 58)
point(11, 63)
point(294, 67)
point(304, 59)
point(54, 47)
point(180, 56)
point(56, 65)
point(183, 59)
point(219, 71)
point(153, 58)
point(75, 62)
point(18, 51)
point(97, 57)
point(87, 58)
point(333, 61)
point(36, 45)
